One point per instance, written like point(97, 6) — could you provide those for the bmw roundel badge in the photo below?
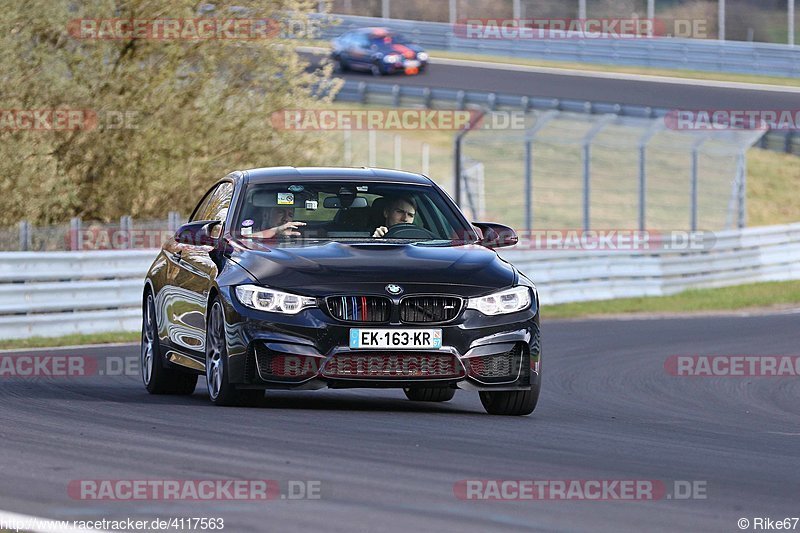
point(394, 289)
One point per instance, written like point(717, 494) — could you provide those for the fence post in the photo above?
point(426, 159)
point(742, 167)
point(655, 128)
point(475, 119)
point(528, 183)
point(24, 236)
point(529, 137)
point(385, 9)
point(76, 238)
point(125, 227)
point(173, 222)
point(396, 95)
point(694, 187)
point(453, 11)
point(587, 167)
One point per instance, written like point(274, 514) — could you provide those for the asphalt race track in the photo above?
point(694, 95)
point(609, 411)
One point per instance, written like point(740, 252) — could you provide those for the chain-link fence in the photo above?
point(570, 170)
point(80, 235)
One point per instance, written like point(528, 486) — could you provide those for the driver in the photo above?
point(280, 223)
point(400, 210)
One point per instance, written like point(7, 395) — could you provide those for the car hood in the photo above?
point(333, 267)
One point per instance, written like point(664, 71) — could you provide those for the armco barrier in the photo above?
point(58, 293)
point(751, 255)
point(410, 95)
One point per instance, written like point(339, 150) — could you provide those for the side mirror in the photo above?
point(496, 235)
point(199, 233)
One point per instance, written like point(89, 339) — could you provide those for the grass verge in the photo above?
point(751, 296)
point(70, 340)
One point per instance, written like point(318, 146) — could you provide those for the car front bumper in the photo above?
point(310, 349)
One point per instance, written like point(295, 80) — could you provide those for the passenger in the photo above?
point(280, 223)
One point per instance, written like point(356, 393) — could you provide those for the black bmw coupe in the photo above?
point(305, 278)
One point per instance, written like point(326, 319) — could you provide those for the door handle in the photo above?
point(176, 255)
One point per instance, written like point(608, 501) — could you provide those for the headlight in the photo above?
point(391, 59)
point(503, 302)
point(422, 56)
point(264, 299)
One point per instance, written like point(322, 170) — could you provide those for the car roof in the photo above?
point(365, 174)
point(375, 29)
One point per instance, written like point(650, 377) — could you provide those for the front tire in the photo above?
point(156, 377)
point(220, 389)
point(429, 394)
point(376, 71)
point(510, 403)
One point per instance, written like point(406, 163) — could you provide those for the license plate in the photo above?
point(411, 339)
point(411, 64)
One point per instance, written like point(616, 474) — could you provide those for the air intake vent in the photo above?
point(360, 309)
point(429, 309)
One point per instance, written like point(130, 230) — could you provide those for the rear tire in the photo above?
point(220, 390)
point(339, 66)
point(429, 394)
point(156, 377)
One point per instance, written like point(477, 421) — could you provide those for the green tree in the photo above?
point(167, 117)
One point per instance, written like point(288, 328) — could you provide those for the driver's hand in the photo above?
point(381, 231)
point(290, 229)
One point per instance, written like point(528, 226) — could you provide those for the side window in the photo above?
point(216, 203)
point(220, 202)
point(361, 41)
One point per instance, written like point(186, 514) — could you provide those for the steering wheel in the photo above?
point(408, 231)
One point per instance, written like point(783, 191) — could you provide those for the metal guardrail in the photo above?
point(750, 255)
point(407, 95)
point(58, 293)
point(672, 52)
point(61, 293)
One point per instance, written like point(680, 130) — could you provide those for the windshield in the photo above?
point(349, 211)
point(388, 38)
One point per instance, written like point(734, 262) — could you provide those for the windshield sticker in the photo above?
point(362, 188)
point(296, 188)
point(247, 223)
point(311, 205)
point(247, 231)
point(285, 198)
